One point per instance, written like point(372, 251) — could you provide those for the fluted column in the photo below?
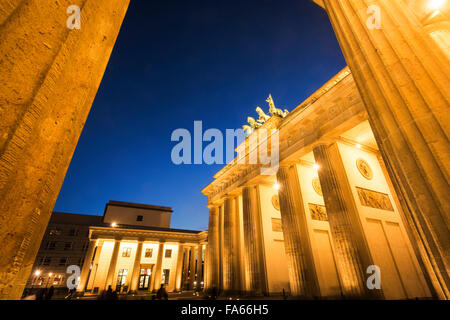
point(112, 265)
point(302, 276)
point(213, 249)
point(157, 276)
point(229, 245)
point(352, 256)
point(403, 78)
point(220, 227)
point(49, 77)
point(93, 273)
point(186, 267)
point(254, 251)
point(136, 267)
point(179, 274)
point(86, 265)
point(199, 265)
point(192, 269)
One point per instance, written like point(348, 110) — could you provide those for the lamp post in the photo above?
point(48, 279)
point(36, 275)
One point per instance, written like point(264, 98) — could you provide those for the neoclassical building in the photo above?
point(315, 226)
point(385, 203)
point(363, 180)
point(135, 251)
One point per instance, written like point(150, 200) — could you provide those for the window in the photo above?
point(139, 218)
point(126, 252)
point(62, 262)
point(121, 279)
point(45, 261)
point(165, 276)
point(51, 245)
point(73, 232)
point(54, 232)
point(148, 252)
point(276, 225)
point(57, 280)
point(67, 246)
point(168, 253)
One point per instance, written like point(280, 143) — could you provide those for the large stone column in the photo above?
point(86, 265)
point(199, 265)
point(136, 267)
point(403, 77)
point(212, 258)
point(254, 251)
point(179, 272)
point(157, 276)
point(192, 269)
point(185, 268)
point(112, 265)
point(302, 275)
point(220, 227)
point(351, 251)
point(229, 246)
point(48, 80)
point(93, 273)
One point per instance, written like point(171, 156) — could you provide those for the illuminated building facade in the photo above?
point(135, 251)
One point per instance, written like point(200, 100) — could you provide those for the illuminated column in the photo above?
point(229, 246)
point(179, 274)
point(94, 269)
point(302, 275)
point(112, 265)
point(87, 265)
point(212, 257)
point(49, 82)
point(157, 274)
point(238, 264)
point(403, 77)
point(186, 267)
point(199, 265)
point(352, 255)
point(192, 269)
point(136, 267)
point(220, 227)
point(254, 252)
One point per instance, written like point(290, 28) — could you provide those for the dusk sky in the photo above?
point(175, 62)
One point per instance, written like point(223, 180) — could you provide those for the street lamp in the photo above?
point(36, 276)
point(49, 276)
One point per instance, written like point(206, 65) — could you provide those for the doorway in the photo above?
point(145, 278)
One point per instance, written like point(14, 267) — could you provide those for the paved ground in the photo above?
point(185, 295)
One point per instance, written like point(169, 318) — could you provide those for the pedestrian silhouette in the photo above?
point(109, 294)
point(40, 295)
point(161, 294)
point(49, 293)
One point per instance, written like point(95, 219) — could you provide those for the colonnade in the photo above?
point(237, 258)
point(188, 268)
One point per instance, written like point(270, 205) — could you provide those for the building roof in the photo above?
point(138, 205)
point(124, 226)
point(75, 219)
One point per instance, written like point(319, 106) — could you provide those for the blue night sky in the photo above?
point(179, 61)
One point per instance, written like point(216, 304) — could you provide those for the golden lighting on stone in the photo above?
point(316, 166)
point(436, 4)
point(113, 224)
point(358, 146)
point(276, 186)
